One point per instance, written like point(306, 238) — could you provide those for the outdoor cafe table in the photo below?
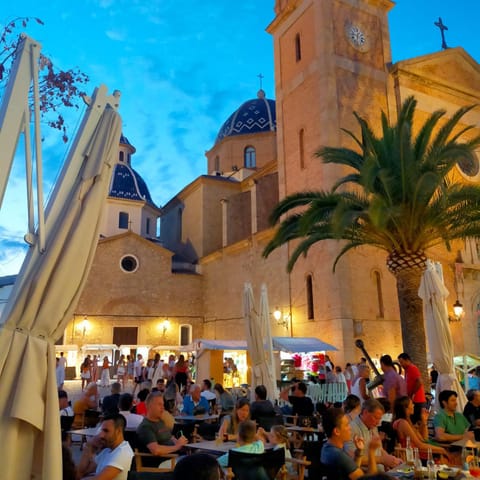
point(195, 418)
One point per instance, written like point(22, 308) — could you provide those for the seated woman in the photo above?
point(403, 426)
point(88, 401)
point(225, 400)
point(230, 423)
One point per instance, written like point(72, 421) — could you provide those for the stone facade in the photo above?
point(213, 232)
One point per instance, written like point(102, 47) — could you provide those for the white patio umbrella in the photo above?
point(256, 329)
point(44, 299)
point(434, 293)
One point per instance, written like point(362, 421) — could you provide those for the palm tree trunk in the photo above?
point(411, 318)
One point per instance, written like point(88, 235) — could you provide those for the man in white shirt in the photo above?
point(207, 390)
point(125, 405)
point(113, 454)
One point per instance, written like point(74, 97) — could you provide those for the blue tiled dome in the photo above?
point(254, 116)
point(129, 185)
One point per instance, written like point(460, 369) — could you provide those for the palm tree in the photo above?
point(398, 196)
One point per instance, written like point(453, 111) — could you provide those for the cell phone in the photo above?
point(179, 434)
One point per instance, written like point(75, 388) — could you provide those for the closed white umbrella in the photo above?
point(434, 293)
point(45, 296)
point(258, 336)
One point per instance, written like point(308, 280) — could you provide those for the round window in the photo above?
point(129, 263)
point(470, 167)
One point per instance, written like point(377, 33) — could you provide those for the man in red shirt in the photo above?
point(415, 388)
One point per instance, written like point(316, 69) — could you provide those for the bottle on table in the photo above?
point(409, 453)
point(432, 471)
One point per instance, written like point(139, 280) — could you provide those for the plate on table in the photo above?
point(445, 472)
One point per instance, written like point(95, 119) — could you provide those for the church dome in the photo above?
point(254, 116)
point(129, 185)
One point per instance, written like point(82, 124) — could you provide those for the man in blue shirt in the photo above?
point(195, 404)
point(337, 429)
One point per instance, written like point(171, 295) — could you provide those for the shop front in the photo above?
point(70, 352)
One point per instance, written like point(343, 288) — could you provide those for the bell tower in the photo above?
point(331, 59)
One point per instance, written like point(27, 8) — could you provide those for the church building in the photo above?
point(332, 57)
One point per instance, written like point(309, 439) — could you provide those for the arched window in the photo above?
point(309, 289)
point(123, 220)
point(378, 284)
point(298, 48)
point(250, 160)
point(216, 164)
point(121, 156)
point(147, 226)
point(301, 147)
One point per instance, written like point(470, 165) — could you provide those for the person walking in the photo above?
point(415, 389)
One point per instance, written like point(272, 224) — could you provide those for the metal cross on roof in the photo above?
point(260, 76)
point(442, 28)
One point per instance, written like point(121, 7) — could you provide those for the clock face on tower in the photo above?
point(357, 37)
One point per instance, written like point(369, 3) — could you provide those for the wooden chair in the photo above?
point(140, 458)
point(299, 465)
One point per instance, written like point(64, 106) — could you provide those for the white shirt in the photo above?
point(208, 395)
point(133, 419)
point(67, 412)
point(120, 457)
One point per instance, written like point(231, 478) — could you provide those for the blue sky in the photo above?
point(182, 68)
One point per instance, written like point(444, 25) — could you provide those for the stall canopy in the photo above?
point(203, 344)
point(301, 344)
point(284, 344)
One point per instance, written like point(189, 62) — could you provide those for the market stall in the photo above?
point(100, 350)
point(70, 352)
point(223, 360)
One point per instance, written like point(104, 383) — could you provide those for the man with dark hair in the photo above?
point(261, 407)
point(110, 402)
point(337, 429)
point(365, 426)
point(472, 409)
point(65, 408)
point(394, 385)
point(107, 455)
point(125, 405)
point(301, 404)
point(199, 466)
point(207, 391)
point(450, 425)
point(415, 389)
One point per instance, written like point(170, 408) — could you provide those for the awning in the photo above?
point(285, 344)
point(301, 344)
point(66, 348)
point(99, 347)
point(203, 344)
point(173, 348)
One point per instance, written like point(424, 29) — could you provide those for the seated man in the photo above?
point(110, 402)
point(113, 454)
point(450, 425)
point(247, 441)
point(153, 434)
point(472, 408)
point(195, 404)
point(261, 407)
point(65, 409)
point(125, 404)
point(337, 429)
point(365, 426)
point(207, 391)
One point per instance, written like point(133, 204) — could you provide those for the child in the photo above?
point(247, 440)
point(278, 437)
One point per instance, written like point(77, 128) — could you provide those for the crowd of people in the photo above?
point(356, 434)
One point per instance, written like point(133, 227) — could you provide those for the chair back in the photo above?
point(91, 418)
point(66, 422)
point(269, 421)
point(256, 466)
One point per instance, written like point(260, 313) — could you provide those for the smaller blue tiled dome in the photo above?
point(129, 185)
point(124, 141)
point(254, 116)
